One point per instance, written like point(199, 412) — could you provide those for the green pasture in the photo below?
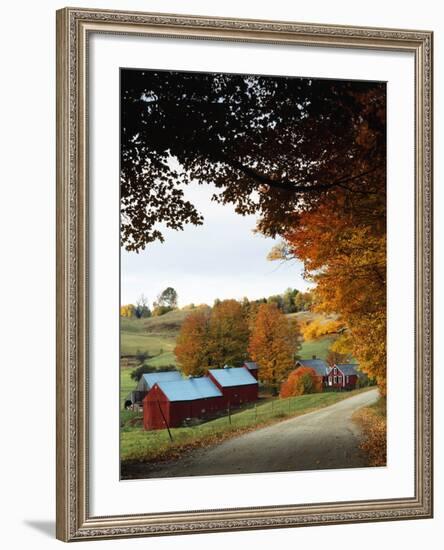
point(155, 336)
point(317, 347)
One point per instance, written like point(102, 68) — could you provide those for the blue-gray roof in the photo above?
point(149, 379)
point(348, 369)
point(318, 365)
point(189, 389)
point(233, 376)
point(251, 365)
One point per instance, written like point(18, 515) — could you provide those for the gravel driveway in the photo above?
point(323, 439)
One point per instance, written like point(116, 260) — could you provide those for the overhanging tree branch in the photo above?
point(298, 187)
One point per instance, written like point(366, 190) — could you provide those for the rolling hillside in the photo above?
point(156, 336)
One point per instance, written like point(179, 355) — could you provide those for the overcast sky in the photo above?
point(223, 258)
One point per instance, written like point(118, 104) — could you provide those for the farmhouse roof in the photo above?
point(251, 365)
point(149, 379)
point(189, 389)
point(233, 376)
point(317, 365)
point(348, 369)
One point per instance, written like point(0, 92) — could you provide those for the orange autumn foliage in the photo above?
point(191, 349)
point(300, 382)
point(347, 259)
point(318, 328)
point(341, 238)
point(212, 338)
point(274, 341)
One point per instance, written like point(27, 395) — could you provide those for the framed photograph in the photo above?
point(244, 274)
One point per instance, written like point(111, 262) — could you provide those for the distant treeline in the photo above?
point(166, 301)
point(290, 301)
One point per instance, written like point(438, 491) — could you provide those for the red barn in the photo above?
point(237, 385)
point(147, 381)
point(170, 403)
point(342, 377)
point(252, 368)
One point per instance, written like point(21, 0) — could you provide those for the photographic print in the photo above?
point(244, 274)
point(253, 274)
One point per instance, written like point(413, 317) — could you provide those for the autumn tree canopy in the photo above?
point(269, 145)
point(228, 334)
point(307, 156)
point(191, 344)
point(213, 338)
point(274, 342)
point(342, 242)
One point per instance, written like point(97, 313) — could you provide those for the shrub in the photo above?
point(300, 382)
point(142, 356)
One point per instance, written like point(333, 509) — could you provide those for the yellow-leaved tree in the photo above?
point(228, 334)
point(127, 310)
point(274, 342)
point(191, 345)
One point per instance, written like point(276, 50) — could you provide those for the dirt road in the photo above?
point(323, 439)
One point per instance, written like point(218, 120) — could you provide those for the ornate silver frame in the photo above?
point(74, 521)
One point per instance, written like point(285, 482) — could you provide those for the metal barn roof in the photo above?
point(251, 365)
point(148, 380)
point(233, 376)
point(318, 365)
point(189, 389)
point(348, 369)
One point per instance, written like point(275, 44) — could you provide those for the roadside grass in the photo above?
point(137, 445)
point(373, 423)
point(379, 408)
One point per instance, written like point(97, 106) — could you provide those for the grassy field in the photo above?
point(317, 347)
point(155, 336)
point(139, 445)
